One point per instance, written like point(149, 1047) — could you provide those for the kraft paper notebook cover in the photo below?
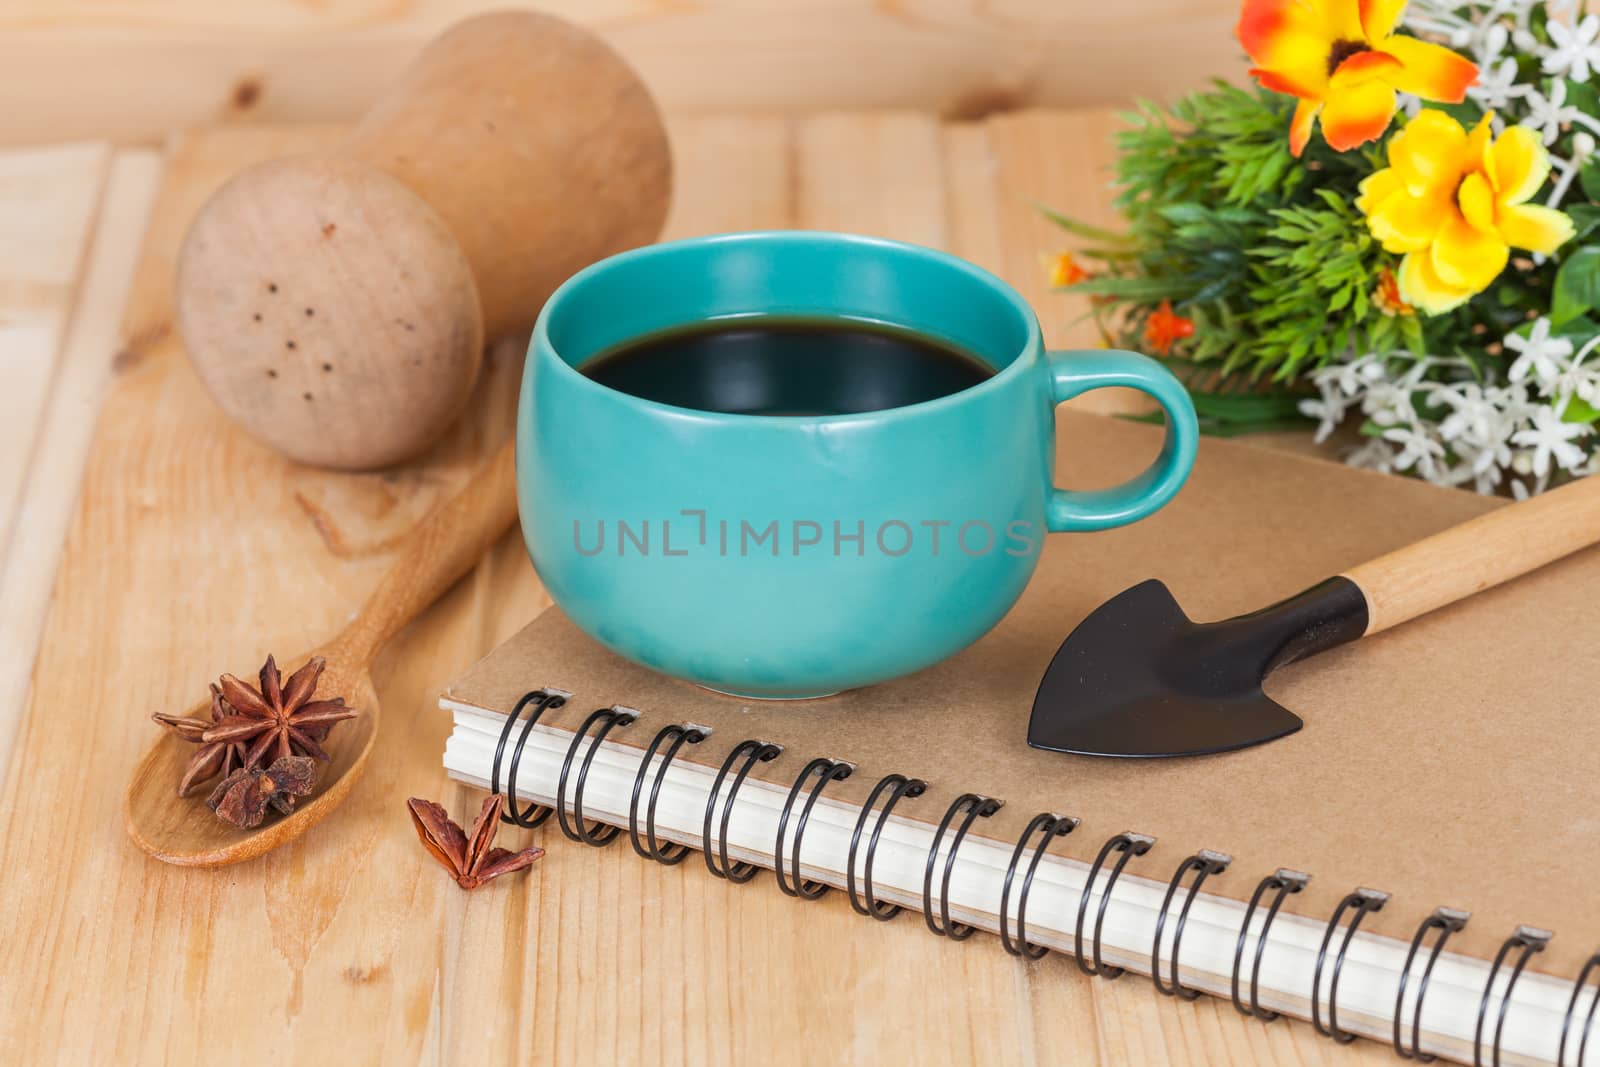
point(1449, 762)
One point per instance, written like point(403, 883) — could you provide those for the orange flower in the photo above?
point(1064, 270)
point(1386, 297)
point(1163, 327)
point(1343, 61)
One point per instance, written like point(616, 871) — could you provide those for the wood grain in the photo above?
point(52, 392)
point(48, 201)
point(193, 548)
point(139, 69)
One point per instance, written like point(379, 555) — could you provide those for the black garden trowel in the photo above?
point(1137, 678)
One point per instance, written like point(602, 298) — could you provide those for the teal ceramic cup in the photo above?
point(797, 556)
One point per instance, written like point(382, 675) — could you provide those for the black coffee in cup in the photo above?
point(787, 366)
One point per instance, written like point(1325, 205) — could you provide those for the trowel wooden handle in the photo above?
point(1478, 554)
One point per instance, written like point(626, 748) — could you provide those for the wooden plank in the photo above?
point(138, 70)
point(65, 421)
point(1061, 160)
point(972, 201)
point(730, 173)
point(48, 199)
point(878, 174)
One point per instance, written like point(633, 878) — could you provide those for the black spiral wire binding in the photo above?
point(599, 834)
point(826, 770)
point(1283, 883)
point(1446, 921)
point(543, 700)
point(1129, 844)
point(681, 734)
point(752, 752)
point(1593, 966)
point(1049, 826)
point(1365, 902)
point(1532, 941)
point(899, 787)
point(1204, 863)
point(976, 807)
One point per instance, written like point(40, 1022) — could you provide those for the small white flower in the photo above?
point(1497, 84)
point(1539, 354)
point(1576, 380)
point(1484, 476)
point(1522, 491)
point(1375, 454)
point(1550, 438)
point(1488, 480)
point(1492, 41)
point(1329, 409)
point(1355, 377)
point(1417, 449)
point(1489, 462)
point(1389, 403)
point(1582, 146)
point(1548, 114)
point(1471, 416)
point(1576, 51)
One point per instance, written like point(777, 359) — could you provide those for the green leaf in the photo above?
point(1467, 113)
point(1577, 288)
point(1583, 96)
point(1084, 229)
point(1107, 255)
point(1589, 178)
point(1250, 407)
point(1143, 290)
point(1578, 330)
point(1579, 410)
point(1586, 218)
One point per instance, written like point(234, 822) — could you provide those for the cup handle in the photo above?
point(1075, 373)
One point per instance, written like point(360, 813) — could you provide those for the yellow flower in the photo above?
point(1344, 62)
point(1456, 204)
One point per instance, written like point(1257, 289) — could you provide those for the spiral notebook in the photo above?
point(1419, 865)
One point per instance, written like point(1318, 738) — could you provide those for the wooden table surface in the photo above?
point(146, 549)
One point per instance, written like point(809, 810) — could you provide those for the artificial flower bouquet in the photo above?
point(1395, 229)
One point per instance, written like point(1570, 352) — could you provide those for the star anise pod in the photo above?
point(471, 861)
point(243, 796)
point(212, 757)
point(279, 719)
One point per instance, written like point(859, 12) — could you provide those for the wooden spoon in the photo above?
point(442, 548)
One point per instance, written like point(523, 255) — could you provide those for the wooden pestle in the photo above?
point(337, 305)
